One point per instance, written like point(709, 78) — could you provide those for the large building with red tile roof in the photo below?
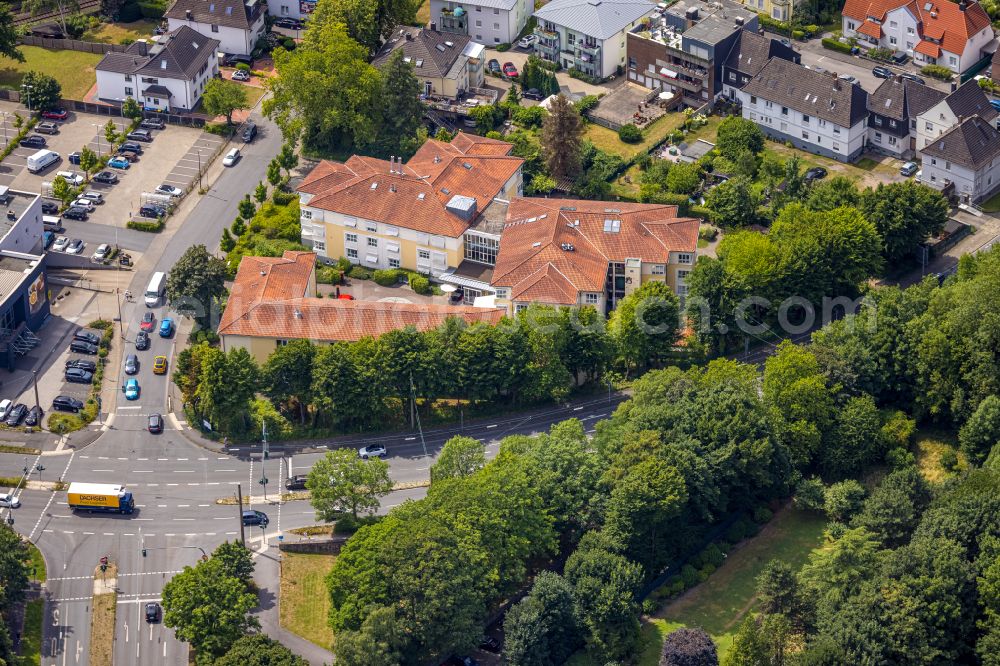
point(420, 215)
point(955, 35)
point(272, 301)
point(574, 252)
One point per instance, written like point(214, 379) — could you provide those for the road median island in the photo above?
point(102, 616)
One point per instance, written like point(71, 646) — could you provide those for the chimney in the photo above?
point(188, 15)
point(434, 26)
point(392, 164)
point(961, 6)
point(143, 46)
point(954, 86)
point(298, 314)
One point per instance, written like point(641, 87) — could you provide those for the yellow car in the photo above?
point(160, 365)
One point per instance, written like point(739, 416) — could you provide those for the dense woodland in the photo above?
point(910, 573)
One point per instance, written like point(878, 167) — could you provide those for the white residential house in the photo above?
point(932, 32)
point(488, 22)
point(968, 100)
point(814, 111)
point(967, 157)
point(445, 63)
point(166, 74)
point(237, 24)
point(295, 9)
point(589, 35)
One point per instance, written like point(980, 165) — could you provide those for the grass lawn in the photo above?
point(37, 563)
point(253, 95)
point(608, 141)
point(114, 33)
point(424, 12)
point(72, 69)
point(305, 604)
point(991, 205)
point(102, 629)
point(929, 446)
point(31, 640)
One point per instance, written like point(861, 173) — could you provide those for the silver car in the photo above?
point(9, 501)
point(372, 451)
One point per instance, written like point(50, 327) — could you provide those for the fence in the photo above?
point(71, 45)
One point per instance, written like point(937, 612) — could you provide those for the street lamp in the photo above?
point(27, 95)
point(199, 168)
point(98, 126)
point(5, 116)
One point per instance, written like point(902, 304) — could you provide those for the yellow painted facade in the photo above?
point(779, 10)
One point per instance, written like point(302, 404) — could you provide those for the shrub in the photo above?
point(810, 494)
point(420, 285)
point(762, 515)
point(151, 227)
point(836, 45)
point(281, 198)
point(154, 9)
point(288, 44)
point(360, 273)
point(798, 34)
point(937, 72)
point(949, 460)
point(386, 278)
point(706, 570)
point(834, 530)
point(899, 458)
point(689, 576)
point(708, 233)
point(243, 67)
point(329, 275)
point(713, 555)
point(649, 607)
point(735, 533)
point(880, 54)
point(587, 103)
point(630, 133)
point(503, 47)
point(700, 211)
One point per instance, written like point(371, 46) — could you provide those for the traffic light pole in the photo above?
point(239, 512)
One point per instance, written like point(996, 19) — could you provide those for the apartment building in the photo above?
point(967, 158)
point(892, 115)
point(963, 102)
point(235, 24)
point(747, 58)
point(446, 64)
point(816, 112)
point(486, 21)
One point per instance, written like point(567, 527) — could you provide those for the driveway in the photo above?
point(567, 83)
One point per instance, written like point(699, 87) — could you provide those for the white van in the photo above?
point(52, 222)
point(156, 289)
point(41, 160)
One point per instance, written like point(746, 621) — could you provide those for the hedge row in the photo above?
point(836, 45)
point(152, 227)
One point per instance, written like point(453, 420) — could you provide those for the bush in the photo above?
point(707, 233)
point(281, 198)
point(288, 44)
point(735, 533)
point(243, 67)
point(153, 9)
point(937, 72)
point(836, 45)
point(129, 12)
point(882, 55)
point(713, 555)
point(700, 211)
point(762, 515)
point(949, 460)
point(798, 34)
point(706, 570)
point(420, 285)
point(503, 47)
point(360, 273)
point(151, 227)
point(810, 494)
point(329, 275)
point(386, 278)
point(689, 575)
point(630, 133)
point(899, 458)
point(649, 607)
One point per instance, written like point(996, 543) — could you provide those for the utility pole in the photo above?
point(239, 502)
point(413, 397)
point(34, 379)
point(265, 455)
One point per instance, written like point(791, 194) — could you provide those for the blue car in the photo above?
point(166, 327)
point(131, 389)
point(995, 103)
point(119, 163)
point(47, 239)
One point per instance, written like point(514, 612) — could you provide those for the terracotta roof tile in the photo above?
point(945, 21)
point(267, 278)
point(928, 48)
point(870, 29)
point(547, 285)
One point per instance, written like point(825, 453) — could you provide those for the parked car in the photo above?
point(102, 252)
point(148, 321)
point(71, 177)
point(77, 213)
point(849, 78)
point(152, 211)
point(995, 103)
point(47, 128)
point(345, 297)
point(533, 93)
point(490, 644)
point(75, 246)
point(78, 376)
point(65, 403)
point(457, 296)
point(33, 141)
point(74, 157)
point(240, 75)
point(82, 364)
point(297, 482)
point(152, 124)
point(527, 41)
point(288, 23)
point(913, 77)
point(119, 162)
point(254, 517)
point(140, 135)
point(106, 177)
point(131, 389)
point(231, 158)
point(10, 501)
point(509, 70)
point(372, 451)
point(34, 416)
point(87, 336)
point(900, 58)
point(249, 131)
point(94, 197)
point(16, 415)
point(815, 174)
point(60, 244)
point(49, 208)
point(55, 114)
point(166, 327)
point(5, 406)
point(908, 169)
point(47, 238)
point(152, 611)
point(130, 147)
point(159, 365)
point(131, 364)
point(494, 66)
point(234, 59)
point(81, 347)
point(882, 72)
point(169, 190)
point(155, 423)
point(86, 204)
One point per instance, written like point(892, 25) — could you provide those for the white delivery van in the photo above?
point(156, 289)
point(41, 160)
point(52, 222)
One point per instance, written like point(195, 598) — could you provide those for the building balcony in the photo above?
point(548, 46)
point(543, 33)
point(590, 49)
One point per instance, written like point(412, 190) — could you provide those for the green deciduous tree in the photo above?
point(683, 178)
point(228, 383)
point(111, 135)
point(89, 162)
point(460, 456)
point(194, 283)
point(131, 109)
point(736, 135)
point(208, 609)
point(750, 645)
point(844, 499)
point(856, 439)
point(894, 508)
point(61, 190)
point(645, 325)
point(732, 203)
point(274, 172)
point(287, 376)
point(259, 650)
point(13, 568)
point(905, 215)
point(235, 561)
point(402, 110)
point(380, 640)
point(833, 193)
point(341, 481)
point(260, 193)
point(982, 431)
point(246, 208)
point(542, 629)
point(561, 133)
point(368, 21)
point(288, 159)
point(795, 386)
point(9, 35)
point(222, 97)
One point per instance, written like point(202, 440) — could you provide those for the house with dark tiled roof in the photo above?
point(237, 24)
point(446, 64)
point(168, 73)
point(814, 111)
point(966, 101)
point(892, 115)
point(429, 214)
point(747, 58)
point(967, 158)
point(567, 252)
point(273, 300)
point(933, 32)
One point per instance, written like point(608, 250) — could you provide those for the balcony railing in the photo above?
point(543, 33)
point(592, 49)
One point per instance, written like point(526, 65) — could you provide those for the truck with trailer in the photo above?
point(100, 497)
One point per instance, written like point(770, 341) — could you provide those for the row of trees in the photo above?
point(536, 357)
point(13, 585)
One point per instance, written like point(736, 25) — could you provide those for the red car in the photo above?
point(346, 297)
point(55, 114)
point(148, 321)
point(509, 70)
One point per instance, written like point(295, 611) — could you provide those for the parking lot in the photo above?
point(171, 158)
